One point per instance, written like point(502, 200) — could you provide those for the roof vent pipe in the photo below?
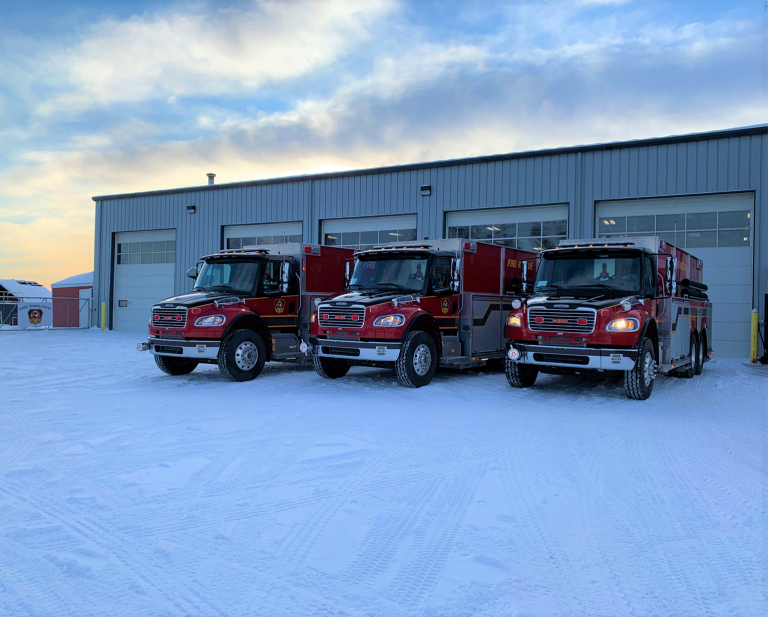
point(210, 178)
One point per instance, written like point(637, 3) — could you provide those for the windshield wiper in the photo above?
point(392, 285)
point(223, 288)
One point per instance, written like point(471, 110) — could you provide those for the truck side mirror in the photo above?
point(192, 273)
point(455, 277)
point(671, 275)
point(285, 276)
point(516, 285)
point(347, 275)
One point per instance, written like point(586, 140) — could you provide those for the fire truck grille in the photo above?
point(341, 316)
point(169, 317)
point(561, 320)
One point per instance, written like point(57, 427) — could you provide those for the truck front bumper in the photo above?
point(357, 350)
point(621, 359)
point(201, 349)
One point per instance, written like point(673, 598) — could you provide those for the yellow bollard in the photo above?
point(103, 315)
point(753, 339)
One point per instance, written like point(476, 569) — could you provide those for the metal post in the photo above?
point(103, 315)
point(753, 338)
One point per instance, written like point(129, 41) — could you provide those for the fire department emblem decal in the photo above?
point(35, 316)
point(444, 305)
point(279, 306)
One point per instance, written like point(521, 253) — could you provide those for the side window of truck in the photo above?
point(271, 279)
point(650, 277)
point(441, 274)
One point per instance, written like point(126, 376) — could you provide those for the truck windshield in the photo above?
point(234, 276)
point(604, 273)
point(407, 274)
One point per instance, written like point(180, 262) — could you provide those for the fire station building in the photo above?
point(705, 192)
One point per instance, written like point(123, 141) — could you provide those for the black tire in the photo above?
point(418, 350)
point(242, 355)
point(175, 366)
point(330, 368)
point(520, 375)
point(700, 355)
point(638, 383)
point(689, 372)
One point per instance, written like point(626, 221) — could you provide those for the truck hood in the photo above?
point(196, 298)
point(366, 298)
point(555, 301)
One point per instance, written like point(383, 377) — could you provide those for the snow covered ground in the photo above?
point(127, 492)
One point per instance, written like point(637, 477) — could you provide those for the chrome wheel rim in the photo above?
point(701, 355)
point(422, 359)
point(246, 356)
point(648, 369)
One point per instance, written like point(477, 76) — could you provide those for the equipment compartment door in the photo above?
point(681, 321)
point(487, 326)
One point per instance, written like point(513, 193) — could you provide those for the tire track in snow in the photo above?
point(232, 508)
point(544, 543)
point(124, 550)
point(17, 434)
point(415, 581)
point(380, 546)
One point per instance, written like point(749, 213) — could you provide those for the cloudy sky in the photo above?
point(100, 97)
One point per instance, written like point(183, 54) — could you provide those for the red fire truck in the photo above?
point(247, 307)
point(414, 306)
point(635, 305)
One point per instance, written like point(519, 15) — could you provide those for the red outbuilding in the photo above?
point(72, 301)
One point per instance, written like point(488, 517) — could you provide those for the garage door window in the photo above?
point(361, 240)
point(532, 236)
point(238, 243)
point(692, 230)
point(162, 252)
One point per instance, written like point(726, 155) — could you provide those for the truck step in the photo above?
point(453, 360)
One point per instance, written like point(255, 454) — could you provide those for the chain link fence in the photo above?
point(20, 313)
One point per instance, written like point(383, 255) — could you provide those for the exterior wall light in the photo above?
point(426, 190)
point(191, 209)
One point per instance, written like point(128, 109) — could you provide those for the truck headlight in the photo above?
point(628, 324)
point(210, 320)
point(389, 321)
point(313, 317)
point(514, 321)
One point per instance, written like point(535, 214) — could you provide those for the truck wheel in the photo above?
point(690, 371)
point(330, 368)
point(520, 375)
point(638, 383)
point(175, 366)
point(700, 354)
point(417, 363)
point(242, 356)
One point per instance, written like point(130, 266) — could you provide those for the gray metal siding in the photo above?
point(577, 177)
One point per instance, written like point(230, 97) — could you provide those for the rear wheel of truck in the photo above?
point(175, 366)
point(330, 368)
point(417, 363)
point(638, 383)
point(690, 371)
point(700, 354)
point(520, 375)
point(242, 355)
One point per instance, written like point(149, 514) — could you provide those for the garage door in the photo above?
point(714, 228)
point(238, 236)
point(530, 229)
point(145, 264)
point(366, 232)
